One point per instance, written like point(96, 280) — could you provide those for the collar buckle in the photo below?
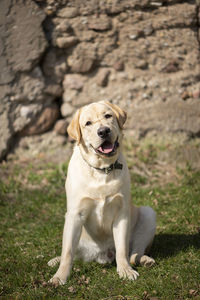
point(109, 169)
point(112, 167)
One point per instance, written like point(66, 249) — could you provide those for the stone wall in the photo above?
point(59, 55)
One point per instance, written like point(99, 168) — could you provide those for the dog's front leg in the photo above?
point(121, 239)
point(71, 236)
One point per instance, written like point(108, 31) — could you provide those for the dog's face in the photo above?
point(98, 126)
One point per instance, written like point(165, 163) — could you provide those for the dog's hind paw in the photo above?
point(143, 260)
point(147, 261)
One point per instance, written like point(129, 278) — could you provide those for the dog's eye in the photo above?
point(108, 116)
point(88, 123)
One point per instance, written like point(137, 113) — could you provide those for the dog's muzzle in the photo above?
point(108, 148)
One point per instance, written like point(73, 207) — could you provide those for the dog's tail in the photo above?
point(54, 261)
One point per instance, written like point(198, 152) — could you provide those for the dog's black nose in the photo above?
point(103, 131)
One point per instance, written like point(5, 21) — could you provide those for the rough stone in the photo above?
point(102, 77)
point(24, 114)
point(54, 90)
point(148, 29)
point(61, 68)
point(6, 74)
point(68, 12)
point(87, 36)
point(30, 87)
point(54, 67)
point(73, 81)
point(135, 34)
point(101, 23)
point(141, 64)
point(106, 44)
point(67, 109)
point(155, 49)
point(166, 117)
point(61, 127)
point(64, 27)
point(44, 122)
point(185, 95)
point(5, 132)
point(85, 99)
point(69, 95)
point(49, 62)
point(196, 94)
point(24, 33)
point(66, 42)
point(172, 66)
point(118, 65)
point(115, 6)
point(83, 58)
point(61, 140)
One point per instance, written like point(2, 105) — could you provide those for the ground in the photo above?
point(164, 174)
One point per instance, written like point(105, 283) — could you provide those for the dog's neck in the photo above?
point(98, 162)
point(116, 166)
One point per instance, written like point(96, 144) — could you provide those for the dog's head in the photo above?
point(98, 127)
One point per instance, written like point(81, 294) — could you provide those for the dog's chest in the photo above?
point(103, 188)
point(104, 213)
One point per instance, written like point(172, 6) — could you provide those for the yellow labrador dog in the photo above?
point(101, 224)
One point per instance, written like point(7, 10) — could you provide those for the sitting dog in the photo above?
point(101, 223)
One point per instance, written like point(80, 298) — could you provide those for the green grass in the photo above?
point(32, 206)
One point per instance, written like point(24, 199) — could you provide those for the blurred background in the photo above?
point(57, 55)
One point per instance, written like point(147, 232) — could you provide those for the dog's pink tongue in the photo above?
point(106, 147)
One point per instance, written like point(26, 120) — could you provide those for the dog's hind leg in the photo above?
point(142, 236)
point(54, 261)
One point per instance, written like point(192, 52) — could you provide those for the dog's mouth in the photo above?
point(108, 148)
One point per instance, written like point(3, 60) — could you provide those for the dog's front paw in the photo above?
point(127, 272)
point(56, 281)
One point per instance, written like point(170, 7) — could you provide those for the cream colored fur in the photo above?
point(101, 223)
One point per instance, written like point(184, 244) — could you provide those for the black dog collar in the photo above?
point(112, 167)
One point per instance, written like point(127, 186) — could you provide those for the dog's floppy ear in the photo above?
point(74, 129)
point(120, 114)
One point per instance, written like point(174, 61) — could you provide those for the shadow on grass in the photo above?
point(167, 245)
